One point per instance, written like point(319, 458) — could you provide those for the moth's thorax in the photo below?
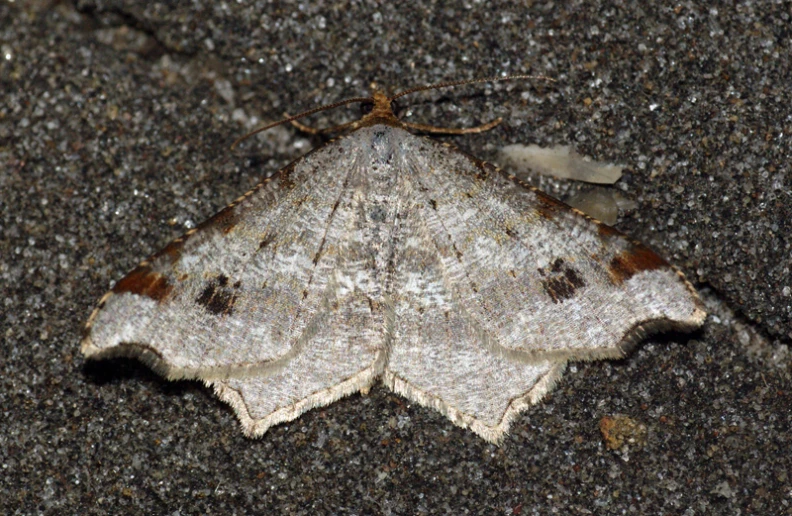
point(379, 146)
point(380, 200)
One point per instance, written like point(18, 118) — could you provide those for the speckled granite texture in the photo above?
point(115, 125)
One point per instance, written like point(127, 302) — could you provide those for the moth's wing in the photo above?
point(440, 355)
point(251, 290)
point(539, 278)
point(443, 358)
point(345, 355)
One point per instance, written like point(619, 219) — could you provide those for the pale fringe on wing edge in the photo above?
point(257, 427)
point(493, 434)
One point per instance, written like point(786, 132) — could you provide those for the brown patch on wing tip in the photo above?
point(562, 281)
point(626, 264)
point(173, 250)
point(145, 282)
point(606, 231)
point(217, 297)
point(547, 208)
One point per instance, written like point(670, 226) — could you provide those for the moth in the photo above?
point(387, 256)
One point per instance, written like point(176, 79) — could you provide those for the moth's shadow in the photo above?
point(122, 370)
point(663, 339)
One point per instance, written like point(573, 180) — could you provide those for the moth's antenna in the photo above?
point(396, 96)
point(470, 81)
point(302, 115)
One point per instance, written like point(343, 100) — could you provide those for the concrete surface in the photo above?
point(115, 124)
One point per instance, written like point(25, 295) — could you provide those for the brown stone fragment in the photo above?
point(620, 430)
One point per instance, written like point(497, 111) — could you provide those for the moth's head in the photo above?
point(379, 108)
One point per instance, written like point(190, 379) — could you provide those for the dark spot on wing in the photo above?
point(561, 281)
point(267, 240)
point(377, 213)
point(512, 233)
point(145, 282)
point(626, 264)
point(217, 297)
point(433, 204)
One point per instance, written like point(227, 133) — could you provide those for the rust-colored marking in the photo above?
point(546, 207)
point(625, 265)
point(606, 231)
point(172, 251)
point(145, 282)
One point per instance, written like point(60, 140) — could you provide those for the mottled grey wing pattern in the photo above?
point(247, 291)
point(540, 279)
point(442, 356)
point(387, 255)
